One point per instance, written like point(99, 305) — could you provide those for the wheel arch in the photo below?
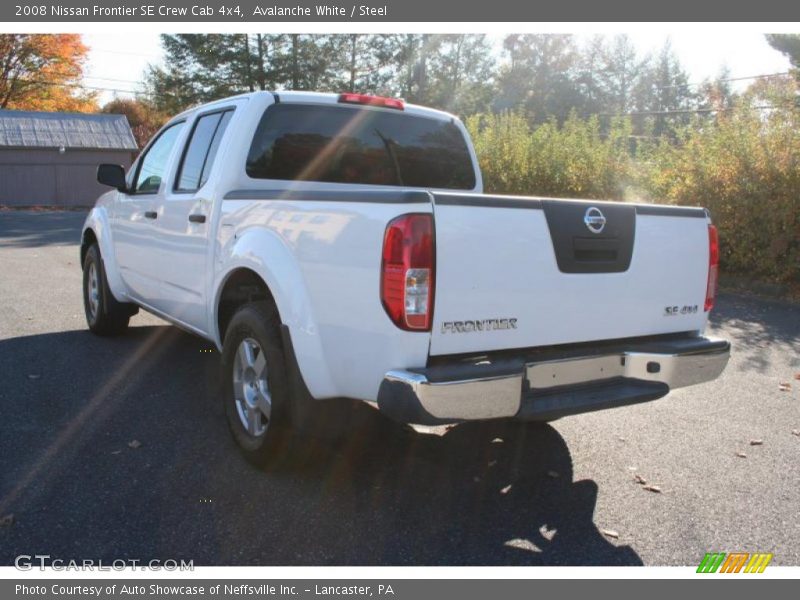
point(96, 229)
point(259, 266)
point(240, 286)
point(87, 239)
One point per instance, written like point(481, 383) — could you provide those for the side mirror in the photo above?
point(113, 176)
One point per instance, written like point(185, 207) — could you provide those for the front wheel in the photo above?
point(255, 388)
point(104, 315)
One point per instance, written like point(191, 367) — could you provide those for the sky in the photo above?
point(118, 61)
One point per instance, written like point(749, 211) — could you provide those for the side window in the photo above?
point(198, 157)
point(154, 162)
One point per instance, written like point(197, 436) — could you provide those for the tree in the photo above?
point(412, 66)
point(370, 63)
point(43, 72)
point(717, 94)
point(199, 68)
point(663, 94)
point(617, 71)
point(788, 44)
point(591, 65)
point(266, 50)
point(143, 117)
point(203, 67)
point(540, 77)
point(312, 62)
point(460, 74)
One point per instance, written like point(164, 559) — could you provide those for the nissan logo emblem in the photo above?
point(595, 220)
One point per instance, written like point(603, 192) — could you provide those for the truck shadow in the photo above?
point(487, 493)
point(367, 492)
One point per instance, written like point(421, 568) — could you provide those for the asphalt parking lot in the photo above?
point(118, 448)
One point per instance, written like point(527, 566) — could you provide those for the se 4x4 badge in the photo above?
point(674, 311)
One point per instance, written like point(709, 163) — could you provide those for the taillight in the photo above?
point(407, 271)
point(713, 267)
point(372, 100)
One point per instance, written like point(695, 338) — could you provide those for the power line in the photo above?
point(84, 86)
point(123, 53)
point(686, 111)
point(112, 79)
point(765, 76)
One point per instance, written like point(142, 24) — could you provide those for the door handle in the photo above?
point(150, 214)
point(197, 218)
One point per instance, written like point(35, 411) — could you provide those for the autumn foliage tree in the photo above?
point(43, 72)
point(145, 120)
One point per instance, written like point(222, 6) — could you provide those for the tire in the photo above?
point(256, 392)
point(104, 315)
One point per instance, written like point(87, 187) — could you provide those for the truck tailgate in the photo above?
point(517, 272)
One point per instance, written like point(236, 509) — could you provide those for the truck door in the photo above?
point(182, 230)
point(134, 214)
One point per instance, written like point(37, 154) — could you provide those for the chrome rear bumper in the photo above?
point(545, 388)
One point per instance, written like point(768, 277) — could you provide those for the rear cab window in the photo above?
point(201, 149)
point(357, 145)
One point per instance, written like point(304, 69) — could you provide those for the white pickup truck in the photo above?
point(340, 246)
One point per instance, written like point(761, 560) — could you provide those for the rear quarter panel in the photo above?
point(322, 262)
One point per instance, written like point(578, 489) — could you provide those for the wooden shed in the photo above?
point(51, 158)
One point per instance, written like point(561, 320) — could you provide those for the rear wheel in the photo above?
point(104, 315)
point(255, 389)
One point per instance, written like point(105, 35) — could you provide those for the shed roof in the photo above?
point(72, 130)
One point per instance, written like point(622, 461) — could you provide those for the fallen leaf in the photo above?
point(785, 386)
point(639, 479)
point(553, 474)
point(34, 376)
point(546, 533)
point(134, 444)
point(741, 454)
point(611, 533)
point(7, 521)
point(756, 442)
point(506, 489)
point(652, 488)
point(522, 544)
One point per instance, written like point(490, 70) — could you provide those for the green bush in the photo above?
point(572, 159)
point(744, 166)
